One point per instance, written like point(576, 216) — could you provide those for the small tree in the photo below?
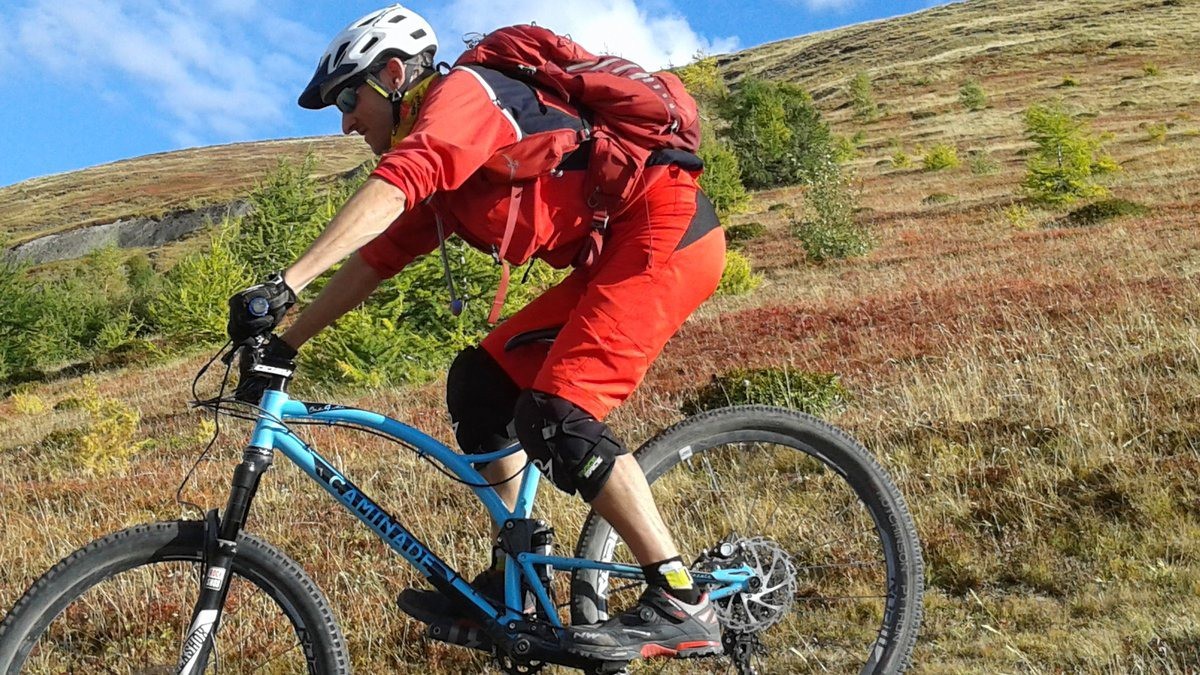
point(940, 156)
point(1068, 158)
point(827, 228)
point(776, 132)
point(703, 80)
point(863, 98)
point(972, 96)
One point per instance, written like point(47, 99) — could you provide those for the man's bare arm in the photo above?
point(366, 214)
point(346, 290)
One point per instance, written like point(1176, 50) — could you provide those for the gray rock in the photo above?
point(132, 233)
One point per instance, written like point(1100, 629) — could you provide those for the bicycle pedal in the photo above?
point(471, 637)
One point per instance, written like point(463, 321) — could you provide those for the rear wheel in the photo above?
point(805, 505)
point(123, 604)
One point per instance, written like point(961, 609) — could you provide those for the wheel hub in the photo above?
point(766, 602)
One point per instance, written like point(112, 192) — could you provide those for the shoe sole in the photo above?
point(691, 649)
point(684, 650)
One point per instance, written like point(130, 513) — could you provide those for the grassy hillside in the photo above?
point(1033, 386)
point(157, 184)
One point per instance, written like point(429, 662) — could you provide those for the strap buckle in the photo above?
point(600, 221)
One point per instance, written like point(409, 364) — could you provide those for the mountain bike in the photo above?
point(803, 543)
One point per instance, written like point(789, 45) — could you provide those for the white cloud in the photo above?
point(822, 5)
point(653, 34)
point(203, 67)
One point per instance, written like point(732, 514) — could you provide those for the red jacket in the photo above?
point(452, 164)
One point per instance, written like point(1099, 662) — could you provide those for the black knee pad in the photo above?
point(480, 397)
point(573, 449)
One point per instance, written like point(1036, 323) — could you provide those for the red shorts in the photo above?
point(657, 266)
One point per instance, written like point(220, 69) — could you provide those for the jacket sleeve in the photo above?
point(460, 126)
point(411, 236)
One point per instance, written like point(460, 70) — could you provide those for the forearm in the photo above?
point(352, 284)
point(366, 214)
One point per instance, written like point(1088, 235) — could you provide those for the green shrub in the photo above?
point(779, 206)
point(939, 157)
point(972, 96)
point(722, 178)
point(107, 442)
point(862, 98)
point(1101, 211)
point(1067, 159)
point(828, 229)
point(405, 331)
point(1156, 133)
point(901, 159)
point(938, 198)
point(1069, 81)
point(981, 163)
point(66, 314)
point(846, 148)
point(703, 80)
point(776, 132)
point(743, 232)
point(1019, 216)
point(738, 278)
point(190, 307)
point(813, 393)
point(1151, 70)
point(288, 212)
point(28, 404)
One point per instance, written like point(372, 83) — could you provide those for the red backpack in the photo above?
point(631, 114)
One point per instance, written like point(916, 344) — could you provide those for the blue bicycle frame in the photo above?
point(270, 433)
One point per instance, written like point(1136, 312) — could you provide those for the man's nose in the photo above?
point(347, 123)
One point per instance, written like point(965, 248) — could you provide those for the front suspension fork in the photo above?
point(220, 547)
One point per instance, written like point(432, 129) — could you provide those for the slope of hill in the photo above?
point(153, 185)
point(1034, 386)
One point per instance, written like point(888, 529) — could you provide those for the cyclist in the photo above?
point(551, 373)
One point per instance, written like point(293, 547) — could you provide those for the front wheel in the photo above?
point(123, 604)
point(806, 506)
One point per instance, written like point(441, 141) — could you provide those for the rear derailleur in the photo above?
point(741, 647)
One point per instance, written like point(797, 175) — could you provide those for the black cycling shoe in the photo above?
point(658, 625)
point(431, 606)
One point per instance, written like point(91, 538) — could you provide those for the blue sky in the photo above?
point(92, 81)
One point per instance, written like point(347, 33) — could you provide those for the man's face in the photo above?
point(371, 118)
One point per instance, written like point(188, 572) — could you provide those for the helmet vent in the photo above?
point(418, 34)
point(396, 19)
point(370, 44)
point(337, 58)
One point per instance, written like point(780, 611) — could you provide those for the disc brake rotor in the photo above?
point(751, 611)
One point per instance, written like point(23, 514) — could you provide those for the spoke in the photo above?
point(824, 598)
point(840, 565)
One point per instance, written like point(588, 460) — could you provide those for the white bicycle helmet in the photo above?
point(376, 37)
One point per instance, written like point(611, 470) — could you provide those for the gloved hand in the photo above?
point(258, 309)
point(275, 354)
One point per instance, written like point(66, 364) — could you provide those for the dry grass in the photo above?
point(1035, 391)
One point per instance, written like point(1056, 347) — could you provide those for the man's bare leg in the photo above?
point(499, 470)
point(626, 503)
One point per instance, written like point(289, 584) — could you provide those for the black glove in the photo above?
point(258, 309)
point(275, 354)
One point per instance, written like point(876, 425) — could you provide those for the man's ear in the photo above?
point(393, 73)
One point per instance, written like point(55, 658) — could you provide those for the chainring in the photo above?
point(752, 611)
